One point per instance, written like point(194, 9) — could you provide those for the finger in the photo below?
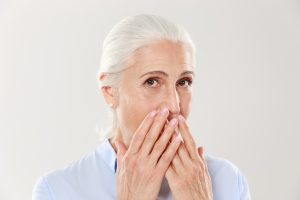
point(177, 163)
point(184, 156)
point(168, 155)
point(121, 150)
point(203, 162)
point(141, 132)
point(201, 151)
point(188, 139)
point(207, 174)
point(163, 140)
point(171, 174)
point(154, 131)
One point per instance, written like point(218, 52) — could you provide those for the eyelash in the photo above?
point(151, 79)
point(189, 81)
point(147, 82)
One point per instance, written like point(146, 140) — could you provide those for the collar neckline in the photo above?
point(108, 154)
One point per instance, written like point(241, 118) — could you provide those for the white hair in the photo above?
point(129, 35)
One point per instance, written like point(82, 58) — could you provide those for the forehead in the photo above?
point(164, 55)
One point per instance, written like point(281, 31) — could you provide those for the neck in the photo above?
point(118, 136)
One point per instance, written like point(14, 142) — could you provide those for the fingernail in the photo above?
point(178, 139)
point(173, 122)
point(180, 136)
point(153, 113)
point(181, 118)
point(164, 111)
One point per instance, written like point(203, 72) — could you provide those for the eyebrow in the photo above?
point(165, 74)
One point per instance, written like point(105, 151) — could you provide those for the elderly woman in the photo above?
point(146, 77)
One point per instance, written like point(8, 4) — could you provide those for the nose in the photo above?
point(172, 102)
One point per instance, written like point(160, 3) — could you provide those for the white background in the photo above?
point(246, 102)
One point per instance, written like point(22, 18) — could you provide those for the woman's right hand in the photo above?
point(142, 167)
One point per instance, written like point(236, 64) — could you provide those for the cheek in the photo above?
point(133, 108)
point(185, 104)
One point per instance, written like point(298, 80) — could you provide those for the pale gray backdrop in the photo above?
point(246, 103)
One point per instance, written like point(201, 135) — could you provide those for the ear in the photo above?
point(110, 95)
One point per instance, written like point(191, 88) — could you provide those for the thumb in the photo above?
point(200, 151)
point(121, 150)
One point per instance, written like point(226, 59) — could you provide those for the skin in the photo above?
point(151, 104)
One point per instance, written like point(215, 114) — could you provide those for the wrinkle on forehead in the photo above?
point(161, 55)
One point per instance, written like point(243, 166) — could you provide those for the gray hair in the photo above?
point(129, 35)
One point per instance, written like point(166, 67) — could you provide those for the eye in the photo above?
point(185, 82)
point(152, 82)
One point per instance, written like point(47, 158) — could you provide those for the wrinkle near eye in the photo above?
point(151, 82)
point(187, 82)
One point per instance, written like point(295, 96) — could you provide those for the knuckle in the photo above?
point(133, 165)
point(169, 131)
point(186, 127)
point(195, 171)
point(139, 160)
point(125, 160)
point(139, 136)
point(149, 139)
point(202, 165)
point(193, 144)
point(159, 120)
point(158, 148)
point(129, 162)
point(208, 178)
point(166, 158)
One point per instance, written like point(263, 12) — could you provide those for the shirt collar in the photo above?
point(108, 154)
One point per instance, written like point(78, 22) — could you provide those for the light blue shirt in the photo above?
point(94, 178)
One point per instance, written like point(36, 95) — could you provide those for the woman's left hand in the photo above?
point(188, 175)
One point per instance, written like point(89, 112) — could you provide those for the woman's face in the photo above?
point(159, 76)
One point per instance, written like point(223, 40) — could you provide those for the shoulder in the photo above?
point(227, 179)
point(41, 190)
point(83, 174)
point(219, 165)
point(75, 169)
point(49, 184)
